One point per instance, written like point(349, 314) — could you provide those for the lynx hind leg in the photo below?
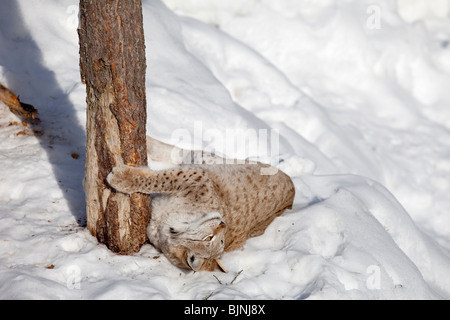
point(163, 152)
point(160, 151)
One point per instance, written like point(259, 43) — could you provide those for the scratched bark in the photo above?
point(112, 65)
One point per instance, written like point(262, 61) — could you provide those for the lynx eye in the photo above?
point(208, 238)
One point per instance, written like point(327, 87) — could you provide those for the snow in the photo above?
point(357, 91)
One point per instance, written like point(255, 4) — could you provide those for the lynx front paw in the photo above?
point(123, 179)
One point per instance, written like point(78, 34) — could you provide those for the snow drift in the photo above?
point(357, 92)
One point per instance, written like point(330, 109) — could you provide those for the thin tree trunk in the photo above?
point(112, 64)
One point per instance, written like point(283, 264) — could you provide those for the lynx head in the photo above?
point(196, 244)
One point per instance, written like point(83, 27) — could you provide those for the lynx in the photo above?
point(205, 205)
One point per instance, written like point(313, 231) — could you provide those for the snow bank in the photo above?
point(357, 92)
point(376, 86)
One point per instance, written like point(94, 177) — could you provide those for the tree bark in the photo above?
point(112, 65)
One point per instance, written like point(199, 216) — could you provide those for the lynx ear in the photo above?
point(193, 262)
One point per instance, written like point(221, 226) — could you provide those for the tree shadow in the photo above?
point(60, 134)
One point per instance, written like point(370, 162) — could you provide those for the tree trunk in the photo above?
point(112, 64)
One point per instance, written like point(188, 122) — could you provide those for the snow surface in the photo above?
point(358, 91)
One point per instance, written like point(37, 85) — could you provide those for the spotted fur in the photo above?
point(201, 210)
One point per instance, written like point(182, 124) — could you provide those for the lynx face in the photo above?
point(198, 244)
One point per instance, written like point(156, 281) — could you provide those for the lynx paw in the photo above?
point(122, 178)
